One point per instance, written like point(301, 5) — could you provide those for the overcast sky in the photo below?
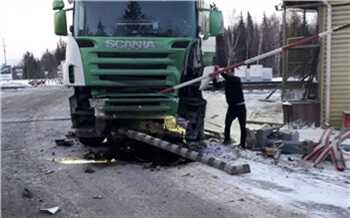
point(27, 25)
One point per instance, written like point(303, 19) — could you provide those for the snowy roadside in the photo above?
point(19, 84)
point(320, 192)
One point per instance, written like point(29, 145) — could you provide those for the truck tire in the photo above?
point(93, 142)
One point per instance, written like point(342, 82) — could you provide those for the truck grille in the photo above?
point(129, 80)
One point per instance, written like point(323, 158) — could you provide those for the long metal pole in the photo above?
point(4, 46)
point(256, 58)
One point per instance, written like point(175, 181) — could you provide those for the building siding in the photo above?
point(340, 65)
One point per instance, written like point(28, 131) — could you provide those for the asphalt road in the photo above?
point(127, 189)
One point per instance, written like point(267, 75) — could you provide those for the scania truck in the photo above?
point(121, 54)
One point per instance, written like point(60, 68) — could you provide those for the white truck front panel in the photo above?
point(73, 58)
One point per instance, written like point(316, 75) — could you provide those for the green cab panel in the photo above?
point(128, 73)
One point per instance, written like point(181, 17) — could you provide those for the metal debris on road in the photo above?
point(52, 210)
point(98, 197)
point(89, 170)
point(27, 193)
point(49, 172)
point(83, 161)
point(64, 142)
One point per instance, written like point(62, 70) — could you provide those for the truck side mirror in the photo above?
point(57, 5)
point(216, 22)
point(61, 23)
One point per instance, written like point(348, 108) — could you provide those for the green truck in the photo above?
point(121, 54)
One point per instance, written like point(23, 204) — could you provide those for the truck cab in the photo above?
point(121, 54)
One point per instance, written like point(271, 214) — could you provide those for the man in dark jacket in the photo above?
point(236, 107)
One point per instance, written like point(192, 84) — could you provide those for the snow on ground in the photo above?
point(320, 192)
point(256, 110)
point(15, 84)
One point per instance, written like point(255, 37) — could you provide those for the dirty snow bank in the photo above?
point(320, 192)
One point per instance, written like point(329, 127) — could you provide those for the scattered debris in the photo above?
point(49, 172)
point(290, 159)
point(268, 136)
point(27, 193)
point(89, 170)
point(187, 175)
point(82, 161)
point(257, 122)
point(70, 135)
point(213, 134)
point(190, 154)
point(52, 210)
point(327, 147)
point(100, 155)
point(274, 151)
point(98, 197)
point(64, 142)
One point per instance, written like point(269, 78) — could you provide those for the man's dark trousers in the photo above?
point(233, 112)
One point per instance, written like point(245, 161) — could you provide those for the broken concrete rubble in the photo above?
point(267, 137)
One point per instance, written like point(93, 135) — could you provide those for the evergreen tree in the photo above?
point(60, 52)
point(49, 64)
point(295, 26)
point(31, 67)
point(250, 37)
point(241, 50)
point(100, 29)
point(133, 11)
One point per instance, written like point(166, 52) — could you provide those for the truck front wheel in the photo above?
point(89, 130)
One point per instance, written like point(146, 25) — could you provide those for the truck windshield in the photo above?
point(135, 18)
